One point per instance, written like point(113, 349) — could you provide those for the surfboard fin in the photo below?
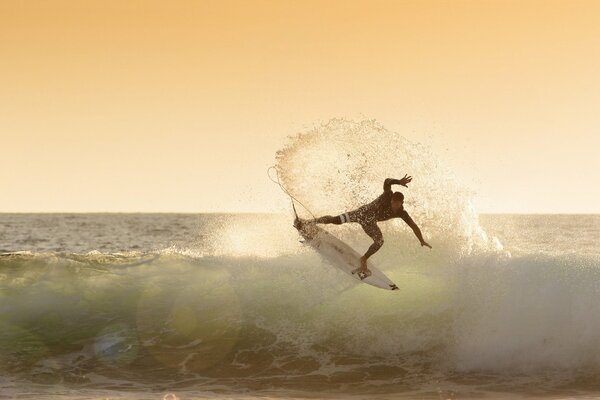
point(297, 222)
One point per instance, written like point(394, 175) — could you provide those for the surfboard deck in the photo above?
point(340, 254)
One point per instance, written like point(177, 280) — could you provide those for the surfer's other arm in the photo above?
point(409, 221)
point(387, 184)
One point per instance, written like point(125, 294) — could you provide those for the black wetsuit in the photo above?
point(368, 215)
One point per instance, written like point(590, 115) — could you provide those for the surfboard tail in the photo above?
point(297, 223)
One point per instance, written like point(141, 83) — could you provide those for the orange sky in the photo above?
point(181, 105)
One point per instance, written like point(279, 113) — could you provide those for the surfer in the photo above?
point(388, 205)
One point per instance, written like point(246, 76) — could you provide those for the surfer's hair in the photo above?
point(397, 196)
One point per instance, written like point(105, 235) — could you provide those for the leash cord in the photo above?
point(292, 198)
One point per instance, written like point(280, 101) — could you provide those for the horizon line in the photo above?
point(270, 212)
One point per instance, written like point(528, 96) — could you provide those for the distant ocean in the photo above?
point(194, 306)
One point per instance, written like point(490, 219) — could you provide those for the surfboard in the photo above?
point(340, 254)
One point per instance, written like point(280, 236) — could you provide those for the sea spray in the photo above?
point(341, 164)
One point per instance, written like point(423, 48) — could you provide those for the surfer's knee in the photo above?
point(377, 239)
point(343, 218)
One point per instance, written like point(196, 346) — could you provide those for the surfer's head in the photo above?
point(397, 201)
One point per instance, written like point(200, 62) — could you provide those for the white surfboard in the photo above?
point(341, 255)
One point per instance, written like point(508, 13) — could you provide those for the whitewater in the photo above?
point(190, 306)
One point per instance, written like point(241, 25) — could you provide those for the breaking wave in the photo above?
point(249, 306)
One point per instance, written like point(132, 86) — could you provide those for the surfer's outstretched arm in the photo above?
point(387, 184)
point(415, 229)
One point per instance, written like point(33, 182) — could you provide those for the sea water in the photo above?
point(192, 306)
point(233, 306)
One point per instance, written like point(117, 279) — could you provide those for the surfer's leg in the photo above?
point(374, 233)
point(371, 229)
point(328, 219)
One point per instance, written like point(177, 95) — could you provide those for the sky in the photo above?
point(180, 106)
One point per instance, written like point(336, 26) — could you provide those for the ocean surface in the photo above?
point(233, 306)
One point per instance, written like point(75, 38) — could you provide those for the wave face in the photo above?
point(291, 321)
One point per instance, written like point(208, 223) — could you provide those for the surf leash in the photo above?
point(292, 198)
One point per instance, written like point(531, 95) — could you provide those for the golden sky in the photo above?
point(180, 105)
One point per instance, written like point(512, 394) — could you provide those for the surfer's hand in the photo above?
point(424, 243)
point(404, 181)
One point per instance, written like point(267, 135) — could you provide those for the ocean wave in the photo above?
point(239, 302)
point(171, 316)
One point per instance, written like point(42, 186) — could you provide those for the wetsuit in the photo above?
point(368, 215)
